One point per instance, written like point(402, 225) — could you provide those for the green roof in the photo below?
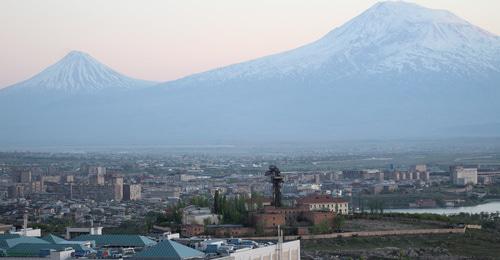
point(8, 236)
point(117, 240)
point(11, 242)
point(27, 249)
point(169, 249)
point(54, 239)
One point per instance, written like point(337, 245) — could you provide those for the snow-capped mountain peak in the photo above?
point(78, 72)
point(391, 36)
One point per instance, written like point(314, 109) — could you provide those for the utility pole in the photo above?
point(279, 244)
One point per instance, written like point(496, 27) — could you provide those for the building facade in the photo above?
point(322, 202)
point(463, 176)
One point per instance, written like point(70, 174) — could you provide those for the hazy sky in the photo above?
point(163, 40)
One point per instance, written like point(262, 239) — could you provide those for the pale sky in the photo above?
point(163, 40)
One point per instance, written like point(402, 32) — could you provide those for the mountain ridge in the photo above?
point(397, 70)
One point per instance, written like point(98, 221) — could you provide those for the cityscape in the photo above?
point(135, 201)
point(378, 140)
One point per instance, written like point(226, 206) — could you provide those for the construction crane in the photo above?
point(276, 180)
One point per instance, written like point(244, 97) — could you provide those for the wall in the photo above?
point(290, 251)
point(372, 233)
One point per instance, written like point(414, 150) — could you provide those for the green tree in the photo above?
point(338, 222)
point(217, 202)
point(322, 228)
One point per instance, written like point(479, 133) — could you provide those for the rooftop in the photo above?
point(117, 240)
point(320, 198)
point(169, 249)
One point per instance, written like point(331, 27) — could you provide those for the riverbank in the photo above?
point(492, 206)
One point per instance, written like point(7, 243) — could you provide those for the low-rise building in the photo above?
point(192, 230)
point(198, 215)
point(325, 202)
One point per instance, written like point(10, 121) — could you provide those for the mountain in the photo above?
point(78, 73)
point(38, 110)
point(389, 38)
point(398, 70)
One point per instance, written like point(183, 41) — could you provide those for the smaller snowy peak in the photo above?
point(78, 72)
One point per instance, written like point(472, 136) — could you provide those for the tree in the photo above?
point(217, 202)
point(338, 222)
point(233, 210)
point(200, 201)
point(320, 228)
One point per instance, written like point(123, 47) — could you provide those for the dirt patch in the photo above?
point(376, 225)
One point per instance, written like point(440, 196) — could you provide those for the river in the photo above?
point(490, 207)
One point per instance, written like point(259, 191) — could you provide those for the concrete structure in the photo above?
point(117, 187)
point(131, 192)
point(229, 230)
point(192, 230)
point(420, 168)
point(98, 173)
point(25, 177)
point(28, 232)
point(197, 215)
point(4, 228)
point(185, 177)
point(269, 220)
point(425, 176)
point(76, 231)
point(16, 191)
point(285, 251)
point(463, 176)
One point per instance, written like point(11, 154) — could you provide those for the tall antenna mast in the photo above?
point(276, 179)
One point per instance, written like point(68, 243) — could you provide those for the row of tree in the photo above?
point(232, 210)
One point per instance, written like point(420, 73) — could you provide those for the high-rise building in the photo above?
point(98, 173)
point(24, 177)
point(425, 176)
point(131, 192)
point(117, 183)
point(70, 178)
point(16, 191)
point(421, 168)
point(463, 176)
